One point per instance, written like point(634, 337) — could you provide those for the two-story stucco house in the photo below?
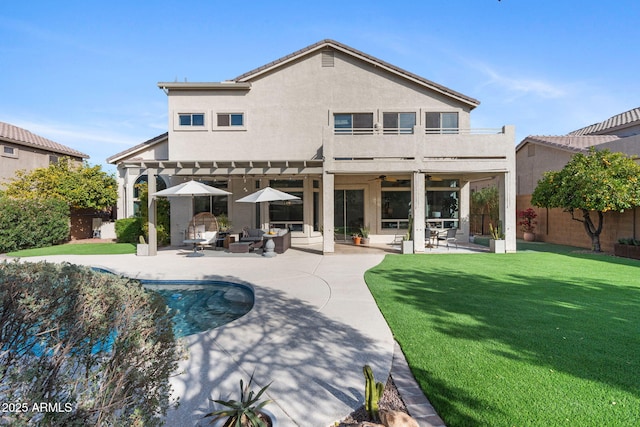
point(21, 149)
point(363, 143)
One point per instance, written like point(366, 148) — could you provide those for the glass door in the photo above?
point(348, 213)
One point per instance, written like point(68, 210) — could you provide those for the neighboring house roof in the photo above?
point(575, 143)
point(140, 147)
point(327, 43)
point(17, 135)
point(618, 121)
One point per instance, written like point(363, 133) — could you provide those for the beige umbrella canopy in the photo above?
point(267, 194)
point(191, 188)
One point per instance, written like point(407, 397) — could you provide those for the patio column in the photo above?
point(153, 237)
point(510, 210)
point(327, 213)
point(418, 211)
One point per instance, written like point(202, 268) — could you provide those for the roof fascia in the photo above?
point(123, 155)
point(167, 86)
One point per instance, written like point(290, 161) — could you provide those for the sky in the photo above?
point(85, 73)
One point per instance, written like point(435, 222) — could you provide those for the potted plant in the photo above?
point(527, 224)
point(356, 238)
point(247, 412)
point(407, 241)
point(497, 243)
point(364, 232)
point(627, 248)
point(223, 222)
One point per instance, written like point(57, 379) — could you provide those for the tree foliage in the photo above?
point(98, 346)
point(486, 201)
point(32, 223)
point(599, 181)
point(78, 184)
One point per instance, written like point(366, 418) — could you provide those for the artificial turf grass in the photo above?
point(78, 249)
point(518, 339)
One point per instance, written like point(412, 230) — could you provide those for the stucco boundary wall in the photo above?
point(556, 226)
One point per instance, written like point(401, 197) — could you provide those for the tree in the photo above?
point(485, 202)
point(78, 184)
point(97, 345)
point(599, 181)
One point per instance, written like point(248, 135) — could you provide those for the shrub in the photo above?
point(32, 223)
point(99, 347)
point(128, 230)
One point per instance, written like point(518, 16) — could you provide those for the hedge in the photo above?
point(28, 224)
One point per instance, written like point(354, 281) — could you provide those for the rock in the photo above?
point(368, 424)
point(397, 419)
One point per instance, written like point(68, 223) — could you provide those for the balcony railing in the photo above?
point(410, 131)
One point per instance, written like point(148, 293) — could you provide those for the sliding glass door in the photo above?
point(348, 213)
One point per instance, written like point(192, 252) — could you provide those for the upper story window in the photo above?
point(191, 119)
point(230, 120)
point(353, 123)
point(9, 151)
point(442, 123)
point(398, 123)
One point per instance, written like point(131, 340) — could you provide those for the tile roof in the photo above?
point(577, 143)
point(619, 120)
point(354, 52)
point(17, 135)
point(138, 147)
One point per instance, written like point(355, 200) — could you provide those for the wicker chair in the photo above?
point(203, 226)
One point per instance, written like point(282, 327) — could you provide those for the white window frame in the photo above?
point(229, 127)
point(14, 151)
point(399, 130)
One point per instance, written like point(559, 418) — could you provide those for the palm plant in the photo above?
point(244, 412)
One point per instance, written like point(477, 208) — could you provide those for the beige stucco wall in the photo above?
point(286, 111)
point(532, 164)
point(26, 158)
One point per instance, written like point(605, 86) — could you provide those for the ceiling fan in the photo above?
point(384, 178)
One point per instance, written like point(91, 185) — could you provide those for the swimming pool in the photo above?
point(197, 306)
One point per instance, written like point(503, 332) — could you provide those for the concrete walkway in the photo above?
point(314, 325)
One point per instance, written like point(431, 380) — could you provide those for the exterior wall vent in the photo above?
point(327, 58)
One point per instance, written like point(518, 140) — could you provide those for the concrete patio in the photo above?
point(313, 326)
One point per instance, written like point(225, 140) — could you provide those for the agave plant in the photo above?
point(244, 412)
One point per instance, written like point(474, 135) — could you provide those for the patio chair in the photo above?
point(451, 237)
point(203, 225)
point(430, 238)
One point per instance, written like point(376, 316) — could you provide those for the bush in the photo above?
point(128, 230)
point(97, 346)
point(33, 223)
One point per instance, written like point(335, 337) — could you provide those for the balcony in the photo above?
point(389, 149)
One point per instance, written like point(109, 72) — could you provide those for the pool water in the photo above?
point(198, 306)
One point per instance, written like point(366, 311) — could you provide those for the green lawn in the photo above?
point(79, 249)
point(543, 337)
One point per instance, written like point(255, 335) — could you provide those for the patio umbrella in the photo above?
point(267, 194)
point(190, 189)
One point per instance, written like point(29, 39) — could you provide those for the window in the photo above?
point(53, 159)
point(287, 213)
point(353, 123)
point(442, 123)
point(9, 151)
point(191, 119)
point(398, 123)
point(442, 202)
point(230, 120)
point(216, 205)
point(396, 203)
